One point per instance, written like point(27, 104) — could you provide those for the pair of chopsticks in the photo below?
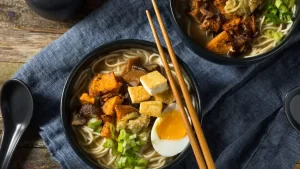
point(207, 161)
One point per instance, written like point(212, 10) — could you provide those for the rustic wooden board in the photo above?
point(32, 158)
point(22, 35)
point(20, 45)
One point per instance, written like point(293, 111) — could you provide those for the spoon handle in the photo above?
point(9, 142)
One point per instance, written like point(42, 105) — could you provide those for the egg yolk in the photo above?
point(171, 126)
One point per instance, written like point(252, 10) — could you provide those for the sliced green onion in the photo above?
point(142, 162)
point(275, 35)
point(292, 4)
point(279, 11)
point(132, 136)
point(270, 17)
point(120, 147)
point(122, 135)
point(283, 9)
point(138, 167)
point(109, 143)
point(112, 130)
point(278, 3)
point(94, 123)
point(278, 36)
point(99, 129)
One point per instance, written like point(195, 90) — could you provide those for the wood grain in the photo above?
point(20, 45)
point(32, 158)
point(22, 35)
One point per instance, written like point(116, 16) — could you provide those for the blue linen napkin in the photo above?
point(244, 122)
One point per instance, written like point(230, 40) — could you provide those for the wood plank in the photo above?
point(31, 152)
point(33, 158)
point(297, 166)
point(23, 33)
point(20, 45)
point(15, 14)
point(7, 70)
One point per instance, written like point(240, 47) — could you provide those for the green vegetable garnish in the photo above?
point(109, 143)
point(279, 11)
point(112, 130)
point(283, 9)
point(131, 161)
point(126, 146)
point(275, 35)
point(278, 3)
point(142, 162)
point(95, 124)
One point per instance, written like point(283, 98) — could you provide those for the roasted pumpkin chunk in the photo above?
point(86, 99)
point(109, 105)
point(102, 83)
point(123, 110)
point(106, 131)
point(221, 44)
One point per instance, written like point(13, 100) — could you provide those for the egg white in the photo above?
point(168, 148)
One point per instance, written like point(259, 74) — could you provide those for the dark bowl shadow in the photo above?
point(179, 13)
point(66, 110)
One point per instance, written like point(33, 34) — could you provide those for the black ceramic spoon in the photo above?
point(16, 107)
point(292, 107)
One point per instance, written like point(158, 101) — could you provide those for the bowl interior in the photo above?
point(179, 9)
point(67, 109)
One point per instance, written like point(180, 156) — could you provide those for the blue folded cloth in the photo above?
point(244, 122)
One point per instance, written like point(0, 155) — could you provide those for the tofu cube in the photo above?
point(166, 97)
point(109, 105)
point(154, 83)
point(151, 108)
point(138, 94)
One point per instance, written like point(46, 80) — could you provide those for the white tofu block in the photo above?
point(138, 94)
point(154, 83)
point(151, 108)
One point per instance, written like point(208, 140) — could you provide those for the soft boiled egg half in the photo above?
point(168, 135)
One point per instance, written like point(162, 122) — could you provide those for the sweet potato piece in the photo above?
point(232, 24)
point(220, 44)
point(105, 132)
point(108, 107)
point(122, 110)
point(105, 118)
point(102, 83)
point(86, 99)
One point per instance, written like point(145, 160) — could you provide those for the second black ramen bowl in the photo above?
point(84, 64)
point(179, 9)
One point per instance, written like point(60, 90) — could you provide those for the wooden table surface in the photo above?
point(22, 35)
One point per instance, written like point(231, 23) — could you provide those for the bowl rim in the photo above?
point(219, 59)
point(93, 55)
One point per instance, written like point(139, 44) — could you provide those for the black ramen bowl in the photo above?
point(66, 109)
point(179, 9)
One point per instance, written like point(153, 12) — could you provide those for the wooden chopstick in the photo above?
point(193, 141)
point(187, 97)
